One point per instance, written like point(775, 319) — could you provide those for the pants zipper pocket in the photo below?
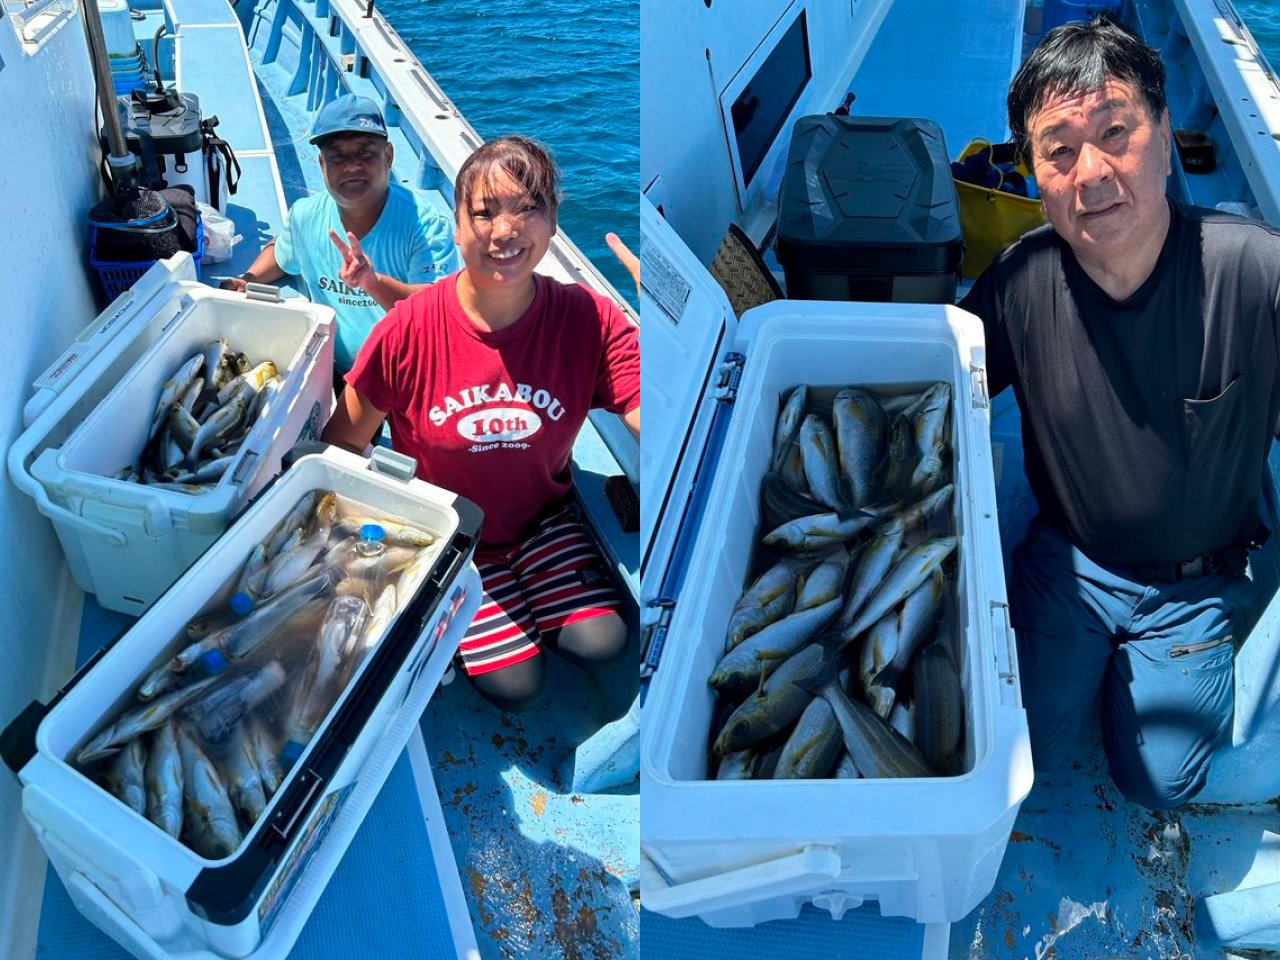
point(1184, 649)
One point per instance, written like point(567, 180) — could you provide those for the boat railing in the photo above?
point(36, 18)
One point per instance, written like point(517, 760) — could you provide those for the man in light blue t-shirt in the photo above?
point(332, 240)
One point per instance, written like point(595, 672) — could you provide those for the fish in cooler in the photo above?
point(857, 543)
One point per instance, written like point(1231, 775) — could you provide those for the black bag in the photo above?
point(140, 225)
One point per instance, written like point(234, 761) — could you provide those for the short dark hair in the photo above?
point(1080, 58)
point(524, 159)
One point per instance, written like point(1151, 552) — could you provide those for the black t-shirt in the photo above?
point(1145, 422)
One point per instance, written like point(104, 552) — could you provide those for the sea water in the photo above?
point(565, 72)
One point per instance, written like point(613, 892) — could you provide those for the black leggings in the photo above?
point(588, 643)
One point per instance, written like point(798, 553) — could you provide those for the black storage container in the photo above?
point(867, 211)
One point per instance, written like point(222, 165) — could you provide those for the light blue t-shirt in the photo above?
point(411, 242)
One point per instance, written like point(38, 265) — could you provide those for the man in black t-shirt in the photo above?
point(1140, 339)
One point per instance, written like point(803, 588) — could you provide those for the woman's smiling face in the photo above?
point(503, 233)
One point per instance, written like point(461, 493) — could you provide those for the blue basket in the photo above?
point(1058, 12)
point(117, 277)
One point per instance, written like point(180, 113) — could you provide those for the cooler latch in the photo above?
point(728, 374)
point(267, 292)
point(393, 464)
point(652, 638)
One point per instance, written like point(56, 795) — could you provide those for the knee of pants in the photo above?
point(597, 641)
point(513, 689)
point(1141, 786)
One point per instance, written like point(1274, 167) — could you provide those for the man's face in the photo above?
point(502, 235)
point(1100, 160)
point(356, 167)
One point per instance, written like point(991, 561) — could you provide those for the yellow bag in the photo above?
point(992, 219)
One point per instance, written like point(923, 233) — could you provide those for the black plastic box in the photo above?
point(867, 211)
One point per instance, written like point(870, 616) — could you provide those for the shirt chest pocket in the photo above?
point(1212, 428)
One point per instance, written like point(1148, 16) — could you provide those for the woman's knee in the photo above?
point(594, 641)
point(513, 689)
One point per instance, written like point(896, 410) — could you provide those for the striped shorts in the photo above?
point(552, 578)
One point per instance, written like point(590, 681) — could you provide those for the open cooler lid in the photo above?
point(687, 328)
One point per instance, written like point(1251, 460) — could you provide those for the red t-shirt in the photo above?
point(493, 416)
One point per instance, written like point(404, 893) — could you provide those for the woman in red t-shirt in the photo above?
point(487, 376)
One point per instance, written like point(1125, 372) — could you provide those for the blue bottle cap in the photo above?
point(372, 531)
point(290, 753)
point(213, 662)
point(241, 603)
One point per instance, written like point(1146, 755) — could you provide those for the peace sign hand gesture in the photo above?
point(356, 270)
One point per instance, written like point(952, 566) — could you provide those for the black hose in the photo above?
point(155, 56)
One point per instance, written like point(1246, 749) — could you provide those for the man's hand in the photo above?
point(357, 270)
point(238, 284)
point(629, 259)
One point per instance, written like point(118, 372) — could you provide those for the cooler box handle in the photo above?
point(393, 464)
point(796, 873)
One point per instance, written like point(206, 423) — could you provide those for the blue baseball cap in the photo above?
point(348, 114)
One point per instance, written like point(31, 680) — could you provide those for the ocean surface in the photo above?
point(565, 72)
point(1262, 17)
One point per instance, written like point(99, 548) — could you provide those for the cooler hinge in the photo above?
point(728, 374)
point(652, 638)
point(978, 385)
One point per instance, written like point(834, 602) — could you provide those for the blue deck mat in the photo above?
point(546, 870)
point(860, 935)
point(193, 13)
point(383, 901)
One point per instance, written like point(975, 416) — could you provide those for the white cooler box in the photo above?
point(126, 542)
point(154, 895)
point(737, 853)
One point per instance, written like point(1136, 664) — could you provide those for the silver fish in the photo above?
point(824, 583)
point(301, 514)
point(763, 653)
point(814, 746)
point(878, 648)
point(217, 429)
point(876, 748)
point(172, 390)
point(139, 721)
point(214, 354)
point(209, 819)
point(874, 563)
point(243, 779)
point(916, 617)
point(769, 599)
point(182, 427)
point(291, 563)
point(125, 778)
point(940, 724)
point(160, 680)
point(818, 453)
point(164, 781)
point(777, 704)
point(791, 470)
point(818, 532)
point(859, 425)
point(736, 766)
point(846, 769)
point(256, 563)
point(781, 503)
point(252, 381)
point(903, 719)
point(265, 756)
point(788, 423)
point(929, 432)
point(315, 694)
point(911, 570)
